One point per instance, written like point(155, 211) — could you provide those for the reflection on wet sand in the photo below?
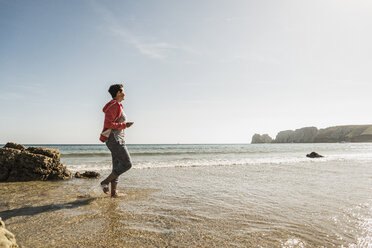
point(65, 215)
point(196, 207)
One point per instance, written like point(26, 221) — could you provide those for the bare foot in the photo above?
point(116, 195)
point(105, 188)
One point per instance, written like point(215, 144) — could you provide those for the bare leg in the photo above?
point(114, 187)
point(110, 178)
point(105, 182)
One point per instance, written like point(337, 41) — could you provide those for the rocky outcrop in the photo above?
point(7, 239)
point(18, 163)
point(15, 146)
point(285, 137)
point(302, 135)
point(314, 155)
point(87, 174)
point(261, 139)
point(350, 133)
point(357, 133)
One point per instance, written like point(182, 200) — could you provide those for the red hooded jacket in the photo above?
point(112, 112)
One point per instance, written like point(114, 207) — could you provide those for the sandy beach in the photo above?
point(213, 206)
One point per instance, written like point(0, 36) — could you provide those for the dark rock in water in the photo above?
point(34, 163)
point(314, 155)
point(87, 174)
point(7, 238)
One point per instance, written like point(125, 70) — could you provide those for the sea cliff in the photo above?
point(349, 133)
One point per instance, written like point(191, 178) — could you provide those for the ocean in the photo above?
point(205, 195)
point(98, 157)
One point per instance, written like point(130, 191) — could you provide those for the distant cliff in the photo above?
point(259, 139)
point(351, 133)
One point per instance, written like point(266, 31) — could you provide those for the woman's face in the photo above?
point(120, 95)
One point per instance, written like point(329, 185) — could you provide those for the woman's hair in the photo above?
point(114, 89)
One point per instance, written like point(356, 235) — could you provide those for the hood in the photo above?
point(109, 105)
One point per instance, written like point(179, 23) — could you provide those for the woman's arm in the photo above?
point(110, 117)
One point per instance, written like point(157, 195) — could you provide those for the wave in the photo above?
point(194, 156)
point(88, 167)
point(108, 154)
point(99, 154)
point(192, 162)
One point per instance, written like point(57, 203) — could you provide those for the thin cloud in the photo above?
point(157, 50)
point(255, 58)
point(153, 50)
point(30, 88)
point(23, 91)
point(10, 96)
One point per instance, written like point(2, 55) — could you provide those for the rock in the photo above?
point(15, 146)
point(352, 133)
point(261, 139)
point(7, 161)
point(302, 135)
point(87, 174)
point(305, 135)
point(285, 137)
point(7, 239)
point(49, 152)
point(314, 155)
point(33, 163)
point(336, 134)
point(333, 134)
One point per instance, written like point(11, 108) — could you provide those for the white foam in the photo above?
point(292, 243)
point(193, 161)
point(90, 167)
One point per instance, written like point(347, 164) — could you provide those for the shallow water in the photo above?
point(311, 204)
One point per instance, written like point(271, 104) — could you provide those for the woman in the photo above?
point(113, 135)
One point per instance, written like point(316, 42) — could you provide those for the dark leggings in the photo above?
point(121, 161)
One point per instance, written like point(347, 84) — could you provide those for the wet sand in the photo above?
point(189, 207)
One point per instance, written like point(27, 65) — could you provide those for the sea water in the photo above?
point(98, 157)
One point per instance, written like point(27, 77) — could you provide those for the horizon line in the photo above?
point(233, 143)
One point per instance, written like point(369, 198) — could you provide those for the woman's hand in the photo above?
point(128, 124)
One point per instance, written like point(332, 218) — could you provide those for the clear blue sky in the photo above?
point(194, 71)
